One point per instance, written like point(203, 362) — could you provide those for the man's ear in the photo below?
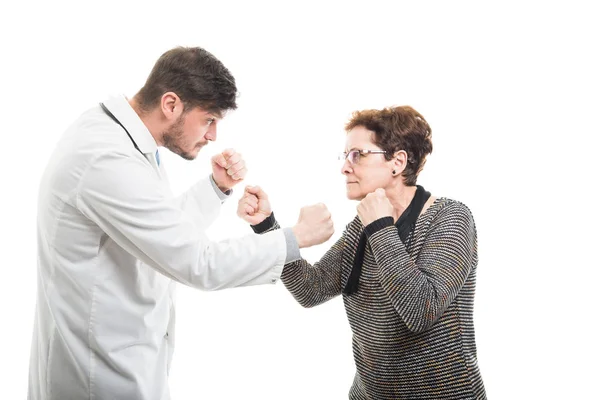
point(171, 106)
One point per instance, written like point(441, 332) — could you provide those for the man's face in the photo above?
point(192, 131)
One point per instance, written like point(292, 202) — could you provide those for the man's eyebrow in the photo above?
point(215, 114)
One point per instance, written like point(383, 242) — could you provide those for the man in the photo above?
point(112, 240)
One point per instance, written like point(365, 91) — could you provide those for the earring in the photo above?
point(394, 172)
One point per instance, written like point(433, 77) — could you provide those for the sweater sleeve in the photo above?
point(421, 290)
point(310, 285)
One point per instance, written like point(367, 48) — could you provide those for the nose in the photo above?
point(211, 133)
point(346, 168)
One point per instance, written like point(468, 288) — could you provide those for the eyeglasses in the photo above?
point(354, 155)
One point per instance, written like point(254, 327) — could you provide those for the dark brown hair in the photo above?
point(195, 75)
point(398, 128)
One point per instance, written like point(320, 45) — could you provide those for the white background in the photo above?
point(510, 90)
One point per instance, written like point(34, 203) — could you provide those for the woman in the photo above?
point(405, 266)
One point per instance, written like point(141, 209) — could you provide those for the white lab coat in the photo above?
point(112, 241)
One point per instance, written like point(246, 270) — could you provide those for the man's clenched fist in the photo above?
point(229, 169)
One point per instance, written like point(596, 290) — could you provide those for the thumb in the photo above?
point(228, 153)
point(220, 160)
point(256, 190)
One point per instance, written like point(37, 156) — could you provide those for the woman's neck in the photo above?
point(400, 197)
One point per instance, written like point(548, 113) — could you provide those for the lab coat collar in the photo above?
point(119, 106)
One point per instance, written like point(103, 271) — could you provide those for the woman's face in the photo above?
point(364, 172)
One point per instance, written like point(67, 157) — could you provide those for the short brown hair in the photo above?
point(398, 128)
point(195, 75)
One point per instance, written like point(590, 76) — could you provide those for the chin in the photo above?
point(194, 153)
point(353, 195)
point(189, 155)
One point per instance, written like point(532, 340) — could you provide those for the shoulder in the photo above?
point(447, 210)
point(94, 132)
point(87, 140)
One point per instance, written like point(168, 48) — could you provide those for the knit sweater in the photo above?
point(412, 316)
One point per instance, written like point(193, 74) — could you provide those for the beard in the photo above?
point(174, 141)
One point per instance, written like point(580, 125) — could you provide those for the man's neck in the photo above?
point(150, 119)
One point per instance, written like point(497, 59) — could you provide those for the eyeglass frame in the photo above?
point(344, 155)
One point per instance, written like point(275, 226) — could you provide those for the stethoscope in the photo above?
point(107, 111)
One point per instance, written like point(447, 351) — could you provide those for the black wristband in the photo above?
point(265, 225)
point(378, 225)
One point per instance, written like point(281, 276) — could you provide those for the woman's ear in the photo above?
point(399, 162)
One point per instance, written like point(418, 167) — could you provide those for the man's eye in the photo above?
point(210, 121)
